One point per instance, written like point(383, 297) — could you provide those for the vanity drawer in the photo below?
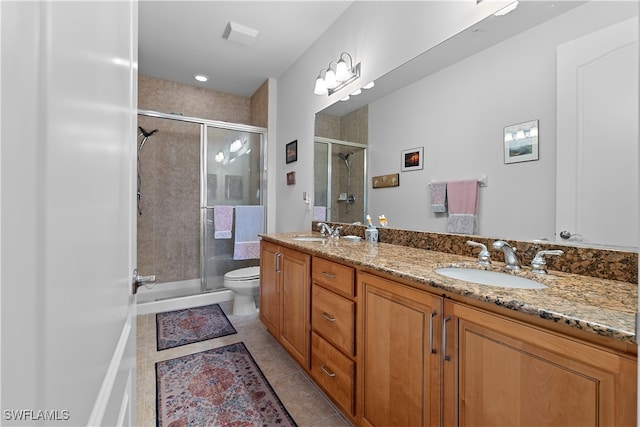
point(333, 317)
point(334, 372)
point(334, 276)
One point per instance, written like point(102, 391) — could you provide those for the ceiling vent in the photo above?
point(239, 34)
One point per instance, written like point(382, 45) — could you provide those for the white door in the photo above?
point(597, 137)
point(67, 162)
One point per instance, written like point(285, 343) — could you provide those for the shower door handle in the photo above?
point(139, 280)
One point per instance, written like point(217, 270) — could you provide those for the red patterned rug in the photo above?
point(180, 327)
point(218, 387)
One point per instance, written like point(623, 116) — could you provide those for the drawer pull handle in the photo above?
point(328, 317)
point(444, 339)
point(432, 350)
point(329, 275)
point(327, 372)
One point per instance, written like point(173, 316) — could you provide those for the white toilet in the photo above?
point(245, 284)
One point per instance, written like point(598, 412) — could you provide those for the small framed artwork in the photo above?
point(521, 142)
point(292, 151)
point(412, 159)
point(291, 178)
point(384, 181)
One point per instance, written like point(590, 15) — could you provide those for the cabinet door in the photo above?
point(508, 373)
point(295, 321)
point(270, 264)
point(400, 365)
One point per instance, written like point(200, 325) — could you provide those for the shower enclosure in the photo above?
point(340, 185)
point(186, 168)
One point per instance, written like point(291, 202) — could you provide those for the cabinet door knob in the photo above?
point(327, 372)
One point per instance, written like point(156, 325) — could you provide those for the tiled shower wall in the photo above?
point(169, 227)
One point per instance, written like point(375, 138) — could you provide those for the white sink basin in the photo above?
point(490, 278)
point(308, 238)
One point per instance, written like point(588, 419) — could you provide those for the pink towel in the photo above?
point(319, 213)
point(222, 222)
point(462, 199)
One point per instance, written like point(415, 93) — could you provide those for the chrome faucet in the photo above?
point(326, 229)
point(510, 257)
point(539, 264)
point(484, 257)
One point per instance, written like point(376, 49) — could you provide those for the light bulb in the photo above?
point(369, 85)
point(520, 134)
point(330, 79)
point(342, 72)
point(321, 87)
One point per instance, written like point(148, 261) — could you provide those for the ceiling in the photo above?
point(178, 39)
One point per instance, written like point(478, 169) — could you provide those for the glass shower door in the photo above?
point(232, 176)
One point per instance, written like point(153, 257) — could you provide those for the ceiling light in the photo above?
point(201, 77)
point(510, 8)
point(338, 76)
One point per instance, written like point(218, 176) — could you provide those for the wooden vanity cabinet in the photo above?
point(333, 326)
point(399, 369)
point(284, 298)
point(503, 372)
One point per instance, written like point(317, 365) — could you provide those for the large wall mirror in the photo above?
point(455, 100)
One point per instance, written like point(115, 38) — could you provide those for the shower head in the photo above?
point(146, 136)
point(345, 158)
point(145, 133)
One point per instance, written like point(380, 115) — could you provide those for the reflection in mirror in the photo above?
point(521, 142)
point(455, 100)
point(340, 191)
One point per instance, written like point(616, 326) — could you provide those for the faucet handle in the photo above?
point(336, 231)
point(484, 257)
point(539, 264)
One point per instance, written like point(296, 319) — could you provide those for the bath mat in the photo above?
point(181, 327)
point(218, 387)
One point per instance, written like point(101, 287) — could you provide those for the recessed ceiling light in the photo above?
point(201, 77)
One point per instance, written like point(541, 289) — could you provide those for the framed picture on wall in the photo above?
point(292, 151)
point(412, 159)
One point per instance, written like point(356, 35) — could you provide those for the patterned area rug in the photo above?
point(180, 327)
point(218, 387)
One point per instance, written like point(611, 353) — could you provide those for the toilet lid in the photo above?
point(243, 274)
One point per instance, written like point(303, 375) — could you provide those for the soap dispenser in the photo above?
point(371, 233)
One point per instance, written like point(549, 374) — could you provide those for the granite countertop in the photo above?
point(600, 306)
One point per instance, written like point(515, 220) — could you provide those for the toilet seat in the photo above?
point(242, 274)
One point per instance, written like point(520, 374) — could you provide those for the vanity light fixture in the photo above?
point(337, 75)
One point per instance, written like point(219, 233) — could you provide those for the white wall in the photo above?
point(380, 35)
point(458, 115)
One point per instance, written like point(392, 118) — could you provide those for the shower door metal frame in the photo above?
point(204, 124)
point(330, 142)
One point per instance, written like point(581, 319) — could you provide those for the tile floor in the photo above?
point(306, 404)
